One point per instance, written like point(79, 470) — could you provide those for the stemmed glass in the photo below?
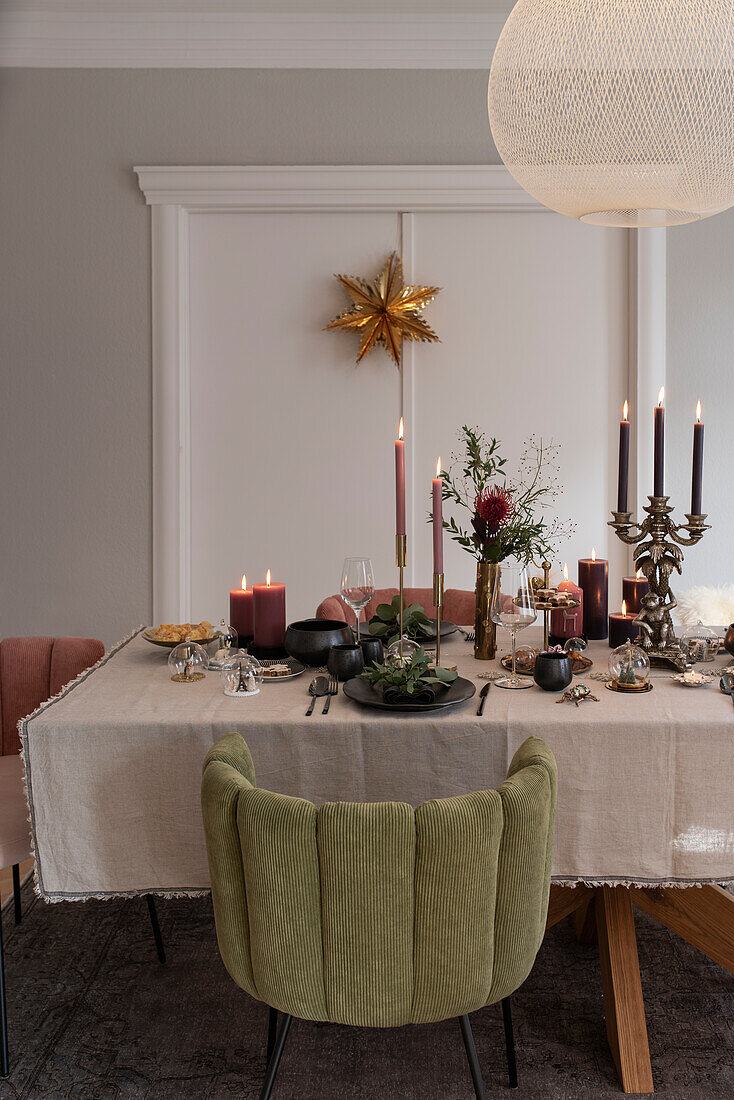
point(513, 606)
point(358, 585)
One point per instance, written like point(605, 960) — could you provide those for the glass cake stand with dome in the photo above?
point(187, 662)
point(629, 667)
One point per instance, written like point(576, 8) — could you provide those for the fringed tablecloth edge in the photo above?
point(644, 884)
point(27, 784)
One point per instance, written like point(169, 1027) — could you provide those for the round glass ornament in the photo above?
point(241, 675)
point(187, 661)
point(222, 643)
point(393, 655)
point(699, 643)
point(629, 668)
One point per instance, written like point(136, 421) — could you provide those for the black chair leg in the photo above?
point(16, 892)
point(153, 914)
point(4, 1060)
point(471, 1055)
point(275, 1058)
point(509, 1042)
point(272, 1033)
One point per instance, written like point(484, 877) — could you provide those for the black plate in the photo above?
point(447, 629)
point(362, 692)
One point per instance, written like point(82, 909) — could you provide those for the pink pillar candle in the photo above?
point(240, 610)
point(438, 521)
point(269, 613)
point(568, 622)
point(400, 482)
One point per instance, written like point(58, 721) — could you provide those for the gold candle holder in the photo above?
point(438, 604)
point(401, 546)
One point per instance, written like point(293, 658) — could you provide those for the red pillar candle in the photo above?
point(437, 520)
point(594, 581)
point(624, 460)
point(240, 610)
point(697, 482)
point(400, 482)
point(633, 589)
point(659, 475)
point(568, 622)
point(622, 627)
point(269, 613)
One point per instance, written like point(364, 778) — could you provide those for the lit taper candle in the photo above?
point(697, 483)
point(624, 459)
point(659, 479)
point(437, 487)
point(400, 482)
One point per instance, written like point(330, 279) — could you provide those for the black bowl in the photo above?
point(729, 640)
point(345, 661)
point(553, 671)
point(310, 640)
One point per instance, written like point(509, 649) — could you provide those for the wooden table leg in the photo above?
point(624, 1007)
point(584, 921)
point(564, 900)
point(703, 916)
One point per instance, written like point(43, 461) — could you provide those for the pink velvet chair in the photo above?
point(458, 605)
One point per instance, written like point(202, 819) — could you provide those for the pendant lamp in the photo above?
point(618, 112)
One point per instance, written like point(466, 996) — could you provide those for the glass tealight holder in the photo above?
point(187, 661)
point(699, 643)
point(393, 655)
point(222, 643)
point(575, 645)
point(629, 668)
point(241, 675)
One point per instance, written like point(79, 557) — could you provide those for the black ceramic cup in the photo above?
point(310, 640)
point(345, 661)
point(553, 671)
point(372, 651)
point(729, 640)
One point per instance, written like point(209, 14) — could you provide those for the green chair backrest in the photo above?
point(376, 914)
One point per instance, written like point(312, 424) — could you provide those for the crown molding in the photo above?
point(61, 38)
point(415, 187)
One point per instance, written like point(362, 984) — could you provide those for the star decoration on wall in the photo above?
point(385, 311)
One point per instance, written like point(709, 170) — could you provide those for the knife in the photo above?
point(483, 697)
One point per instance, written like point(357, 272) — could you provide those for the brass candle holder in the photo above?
point(438, 604)
point(401, 546)
point(657, 540)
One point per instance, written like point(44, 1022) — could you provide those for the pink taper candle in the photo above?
point(438, 521)
point(400, 482)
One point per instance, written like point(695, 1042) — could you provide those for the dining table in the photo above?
point(645, 811)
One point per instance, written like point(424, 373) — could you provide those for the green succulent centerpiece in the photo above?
point(385, 623)
point(410, 677)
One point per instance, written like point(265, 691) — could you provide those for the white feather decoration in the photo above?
point(712, 605)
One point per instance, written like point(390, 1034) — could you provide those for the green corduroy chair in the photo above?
point(377, 914)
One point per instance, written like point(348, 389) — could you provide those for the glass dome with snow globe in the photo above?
point(401, 651)
point(630, 669)
point(699, 643)
point(241, 675)
point(187, 661)
point(221, 644)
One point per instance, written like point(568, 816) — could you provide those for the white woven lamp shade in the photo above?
point(618, 112)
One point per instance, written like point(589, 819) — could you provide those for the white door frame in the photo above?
point(176, 192)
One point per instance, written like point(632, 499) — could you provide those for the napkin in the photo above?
point(424, 697)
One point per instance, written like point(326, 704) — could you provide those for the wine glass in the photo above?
point(358, 585)
point(513, 606)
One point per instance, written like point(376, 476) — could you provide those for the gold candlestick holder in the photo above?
point(438, 604)
point(401, 546)
point(657, 555)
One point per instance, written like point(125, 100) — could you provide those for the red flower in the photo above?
point(492, 509)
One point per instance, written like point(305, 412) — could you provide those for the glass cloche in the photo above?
point(241, 675)
point(222, 643)
point(699, 643)
point(187, 661)
point(393, 652)
point(630, 668)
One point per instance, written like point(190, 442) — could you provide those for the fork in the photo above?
point(333, 690)
point(469, 635)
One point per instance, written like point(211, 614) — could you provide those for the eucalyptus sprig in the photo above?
point(385, 623)
point(410, 676)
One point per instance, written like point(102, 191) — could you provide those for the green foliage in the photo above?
point(385, 623)
point(411, 676)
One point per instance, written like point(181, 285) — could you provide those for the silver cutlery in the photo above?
point(727, 684)
point(333, 690)
point(483, 697)
point(318, 687)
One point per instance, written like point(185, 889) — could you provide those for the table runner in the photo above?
point(113, 766)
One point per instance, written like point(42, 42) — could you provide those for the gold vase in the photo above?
point(485, 640)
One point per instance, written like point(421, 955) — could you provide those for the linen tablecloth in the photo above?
point(113, 766)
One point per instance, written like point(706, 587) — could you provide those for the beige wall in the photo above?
point(75, 425)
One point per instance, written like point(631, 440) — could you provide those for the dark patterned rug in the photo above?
point(93, 1015)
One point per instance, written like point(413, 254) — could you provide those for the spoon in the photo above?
point(319, 686)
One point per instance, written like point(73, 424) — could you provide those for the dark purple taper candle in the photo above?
point(697, 464)
point(594, 581)
point(624, 460)
point(659, 486)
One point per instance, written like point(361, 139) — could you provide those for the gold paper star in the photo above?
point(385, 311)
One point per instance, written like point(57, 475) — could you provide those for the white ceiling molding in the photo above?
point(338, 187)
point(121, 38)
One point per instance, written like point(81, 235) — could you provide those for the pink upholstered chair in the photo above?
point(31, 671)
point(458, 605)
